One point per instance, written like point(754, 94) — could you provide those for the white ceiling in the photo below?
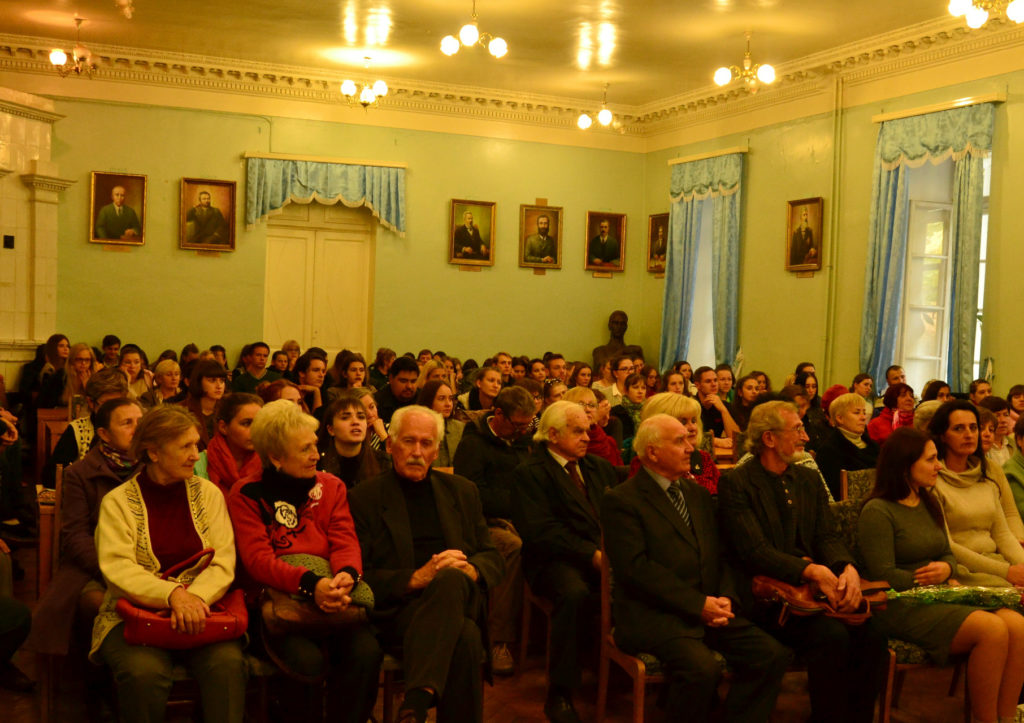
point(658, 48)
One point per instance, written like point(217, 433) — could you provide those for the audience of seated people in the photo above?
point(528, 490)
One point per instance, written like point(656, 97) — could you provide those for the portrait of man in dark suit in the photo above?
point(606, 233)
point(207, 214)
point(804, 235)
point(472, 240)
point(657, 242)
point(118, 208)
point(540, 237)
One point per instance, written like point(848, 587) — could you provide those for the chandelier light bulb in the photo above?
point(766, 74)
point(366, 95)
point(450, 45)
point(723, 76)
point(1015, 11)
point(81, 53)
point(380, 88)
point(497, 47)
point(58, 57)
point(604, 117)
point(976, 17)
point(957, 8)
point(348, 88)
point(584, 121)
point(469, 34)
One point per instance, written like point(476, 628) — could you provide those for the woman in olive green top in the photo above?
point(903, 541)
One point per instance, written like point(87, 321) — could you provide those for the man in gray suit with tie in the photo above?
point(673, 595)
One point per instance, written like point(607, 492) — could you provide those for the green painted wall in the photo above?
point(161, 296)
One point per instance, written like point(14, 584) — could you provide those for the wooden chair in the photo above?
point(642, 669)
point(856, 484)
point(50, 424)
point(531, 601)
point(391, 686)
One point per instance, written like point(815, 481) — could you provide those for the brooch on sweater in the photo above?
point(286, 515)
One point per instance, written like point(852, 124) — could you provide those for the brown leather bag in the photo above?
point(284, 615)
point(804, 600)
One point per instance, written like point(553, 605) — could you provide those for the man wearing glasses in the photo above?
point(776, 519)
point(491, 448)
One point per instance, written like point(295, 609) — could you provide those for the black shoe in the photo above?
point(13, 679)
point(558, 709)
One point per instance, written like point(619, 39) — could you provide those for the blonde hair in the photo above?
point(674, 405)
point(274, 424)
point(578, 394)
point(844, 403)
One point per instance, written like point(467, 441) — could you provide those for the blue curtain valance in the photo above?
point(271, 183)
point(935, 137)
point(717, 176)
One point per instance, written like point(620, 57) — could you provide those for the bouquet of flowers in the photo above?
point(974, 595)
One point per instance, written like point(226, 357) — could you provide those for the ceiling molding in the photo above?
point(25, 111)
point(914, 47)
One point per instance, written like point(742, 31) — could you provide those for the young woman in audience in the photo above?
point(897, 411)
point(485, 389)
point(554, 391)
point(812, 418)
point(809, 381)
point(76, 590)
point(936, 389)
point(628, 412)
point(279, 362)
point(57, 351)
point(652, 379)
point(166, 385)
point(440, 397)
point(432, 371)
point(582, 375)
point(847, 445)
point(205, 389)
point(687, 411)
point(726, 382)
point(230, 455)
point(294, 351)
point(80, 435)
point(160, 517)
point(349, 370)
point(864, 385)
point(1015, 398)
point(674, 382)
point(320, 563)
point(764, 384)
point(80, 367)
point(538, 370)
point(600, 443)
point(747, 389)
point(978, 514)
point(131, 362)
point(377, 431)
point(903, 541)
point(281, 389)
point(344, 451)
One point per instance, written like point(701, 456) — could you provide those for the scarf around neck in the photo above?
point(221, 467)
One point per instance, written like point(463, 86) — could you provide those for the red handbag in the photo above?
point(228, 617)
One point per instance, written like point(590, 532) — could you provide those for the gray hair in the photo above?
point(274, 424)
point(651, 432)
point(398, 419)
point(555, 417)
point(766, 417)
point(843, 404)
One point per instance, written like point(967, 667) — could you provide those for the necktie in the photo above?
point(574, 474)
point(675, 493)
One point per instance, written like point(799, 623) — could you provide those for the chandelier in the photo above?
point(977, 12)
point(604, 116)
point(751, 73)
point(470, 35)
point(366, 94)
point(80, 62)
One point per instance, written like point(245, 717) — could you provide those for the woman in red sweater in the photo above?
point(292, 510)
point(898, 412)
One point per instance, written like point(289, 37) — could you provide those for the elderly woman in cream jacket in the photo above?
point(162, 516)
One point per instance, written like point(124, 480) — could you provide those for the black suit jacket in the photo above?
point(382, 524)
point(554, 519)
point(663, 569)
point(762, 543)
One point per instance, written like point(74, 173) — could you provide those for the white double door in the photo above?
point(319, 277)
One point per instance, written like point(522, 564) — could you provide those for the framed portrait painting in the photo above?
point(207, 213)
point(117, 208)
point(540, 236)
point(803, 234)
point(472, 225)
point(657, 242)
point(606, 241)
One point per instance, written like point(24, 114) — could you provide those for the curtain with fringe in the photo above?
point(272, 183)
point(719, 179)
point(965, 136)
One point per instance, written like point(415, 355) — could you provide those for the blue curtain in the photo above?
point(720, 179)
point(271, 183)
point(965, 135)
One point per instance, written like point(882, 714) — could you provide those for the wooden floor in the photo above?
point(516, 699)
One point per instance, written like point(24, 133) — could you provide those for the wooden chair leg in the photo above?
point(524, 640)
point(639, 690)
point(885, 696)
point(603, 670)
point(901, 676)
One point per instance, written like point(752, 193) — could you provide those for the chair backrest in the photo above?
point(846, 514)
point(50, 424)
point(606, 594)
point(856, 484)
